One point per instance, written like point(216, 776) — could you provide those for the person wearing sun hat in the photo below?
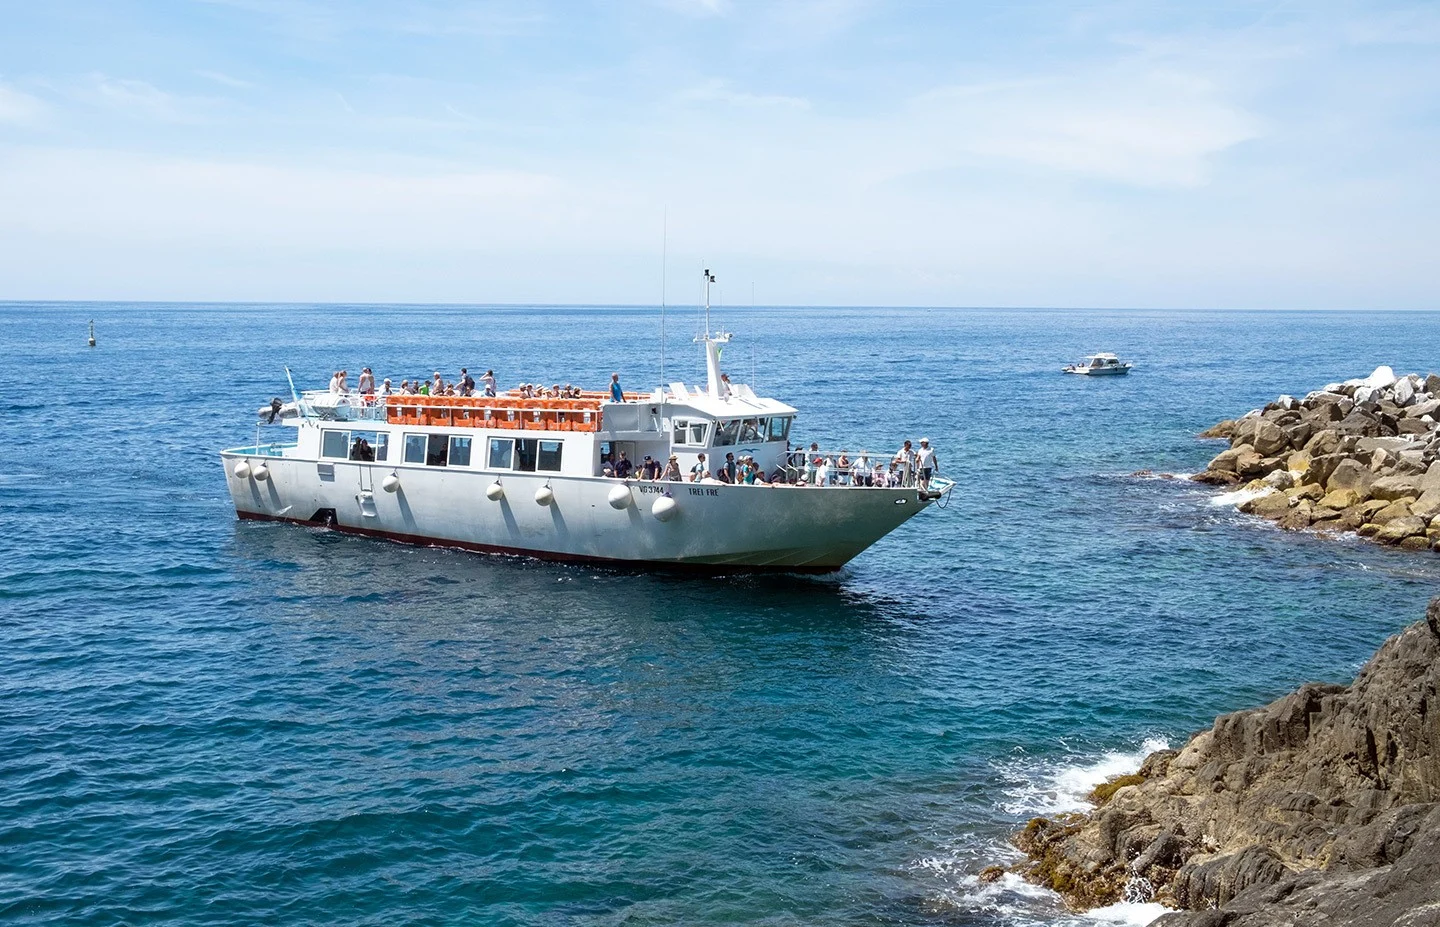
point(927, 463)
point(672, 470)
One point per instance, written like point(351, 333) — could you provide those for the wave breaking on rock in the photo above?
point(1320, 808)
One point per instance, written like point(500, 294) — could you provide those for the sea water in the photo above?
point(204, 721)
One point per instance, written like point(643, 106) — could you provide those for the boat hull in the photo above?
point(1098, 371)
point(714, 527)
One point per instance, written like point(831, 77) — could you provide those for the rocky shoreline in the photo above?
point(1320, 808)
point(1361, 456)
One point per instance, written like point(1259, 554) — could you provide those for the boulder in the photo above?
point(1279, 479)
point(1227, 461)
point(1299, 432)
point(1412, 426)
point(1428, 505)
point(1397, 530)
point(1321, 514)
point(1428, 407)
point(1390, 488)
point(1298, 462)
point(1400, 508)
point(1223, 429)
point(1305, 491)
point(1350, 474)
point(1217, 478)
point(1298, 517)
point(1415, 542)
point(1360, 422)
point(1432, 384)
point(1341, 499)
point(1270, 505)
point(1403, 392)
point(1379, 378)
point(1431, 479)
point(1325, 441)
point(1321, 466)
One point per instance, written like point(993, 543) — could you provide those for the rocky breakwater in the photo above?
point(1320, 808)
point(1362, 456)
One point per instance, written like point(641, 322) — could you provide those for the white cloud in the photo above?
point(718, 91)
point(226, 80)
point(18, 107)
point(1154, 128)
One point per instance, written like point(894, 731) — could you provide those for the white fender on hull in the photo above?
point(619, 497)
point(242, 470)
point(495, 492)
point(261, 473)
point(391, 483)
point(545, 495)
point(664, 508)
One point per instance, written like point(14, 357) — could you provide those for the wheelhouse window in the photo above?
point(415, 449)
point(459, 451)
point(435, 450)
point(335, 444)
point(751, 431)
point(502, 451)
point(726, 433)
point(779, 428)
point(690, 433)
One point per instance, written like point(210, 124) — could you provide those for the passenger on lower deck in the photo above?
point(623, 467)
point(701, 470)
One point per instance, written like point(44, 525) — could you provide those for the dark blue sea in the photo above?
point(210, 722)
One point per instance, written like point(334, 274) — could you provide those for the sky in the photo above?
point(1230, 154)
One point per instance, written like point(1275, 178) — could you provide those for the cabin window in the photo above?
point(435, 450)
point(415, 449)
point(369, 445)
point(459, 452)
point(525, 454)
point(726, 433)
point(502, 450)
point(549, 456)
point(779, 428)
point(750, 431)
point(690, 433)
point(335, 444)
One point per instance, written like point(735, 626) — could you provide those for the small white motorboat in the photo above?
point(1100, 365)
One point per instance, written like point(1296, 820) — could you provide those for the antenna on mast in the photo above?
point(664, 254)
point(709, 279)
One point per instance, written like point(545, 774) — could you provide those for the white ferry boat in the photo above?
point(517, 475)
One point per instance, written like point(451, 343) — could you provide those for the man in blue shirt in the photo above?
point(623, 467)
point(616, 393)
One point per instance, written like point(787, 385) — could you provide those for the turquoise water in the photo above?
point(208, 721)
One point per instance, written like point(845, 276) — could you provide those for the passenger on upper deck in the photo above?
point(467, 382)
point(724, 386)
point(927, 463)
point(488, 382)
point(335, 382)
point(367, 382)
point(616, 393)
point(385, 389)
point(437, 384)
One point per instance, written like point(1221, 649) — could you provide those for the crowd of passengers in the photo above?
point(910, 466)
point(465, 385)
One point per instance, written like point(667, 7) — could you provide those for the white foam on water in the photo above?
point(1239, 497)
point(1063, 788)
point(1124, 914)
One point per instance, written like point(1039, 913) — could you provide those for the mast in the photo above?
point(712, 344)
